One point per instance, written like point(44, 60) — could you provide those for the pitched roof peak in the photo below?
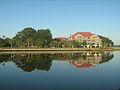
point(85, 34)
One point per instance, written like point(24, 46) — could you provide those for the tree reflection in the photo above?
point(43, 61)
point(29, 62)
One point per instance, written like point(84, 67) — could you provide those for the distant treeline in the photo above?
point(42, 38)
point(116, 45)
point(28, 37)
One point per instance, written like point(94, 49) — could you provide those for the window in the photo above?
point(79, 37)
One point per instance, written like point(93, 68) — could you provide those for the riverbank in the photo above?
point(59, 49)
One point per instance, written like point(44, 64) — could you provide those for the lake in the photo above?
point(60, 70)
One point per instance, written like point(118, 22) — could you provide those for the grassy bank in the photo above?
point(59, 49)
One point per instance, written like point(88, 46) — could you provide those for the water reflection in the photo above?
point(85, 60)
point(41, 61)
point(28, 62)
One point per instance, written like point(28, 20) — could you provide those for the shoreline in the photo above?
point(58, 49)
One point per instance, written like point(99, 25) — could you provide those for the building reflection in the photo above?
point(89, 59)
point(41, 61)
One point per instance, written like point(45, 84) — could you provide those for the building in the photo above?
point(87, 60)
point(91, 40)
point(60, 38)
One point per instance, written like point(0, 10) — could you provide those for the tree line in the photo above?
point(42, 38)
point(28, 37)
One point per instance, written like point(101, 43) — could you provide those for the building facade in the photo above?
point(91, 40)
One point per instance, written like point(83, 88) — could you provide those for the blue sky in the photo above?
point(62, 17)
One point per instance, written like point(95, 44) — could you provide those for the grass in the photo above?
point(60, 49)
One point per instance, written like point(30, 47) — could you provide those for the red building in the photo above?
point(84, 34)
point(91, 40)
point(60, 38)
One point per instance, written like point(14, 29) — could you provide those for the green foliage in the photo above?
point(65, 43)
point(5, 42)
point(42, 37)
point(24, 38)
point(8, 42)
point(29, 37)
point(2, 42)
point(106, 42)
point(54, 44)
point(76, 43)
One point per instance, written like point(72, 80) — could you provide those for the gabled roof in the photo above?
point(82, 65)
point(85, 34)
point(86, 65)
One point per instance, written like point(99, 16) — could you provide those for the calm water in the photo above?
point(60, 71)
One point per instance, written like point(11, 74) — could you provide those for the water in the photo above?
point(60, 71)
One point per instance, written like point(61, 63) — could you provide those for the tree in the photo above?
point(2, 42)
point(106, 42)
point(8, 42)
point(55, 44)
point(65, 43)
point(29, 37)
point(24, 38)
point(42, 38)
point(75, 43)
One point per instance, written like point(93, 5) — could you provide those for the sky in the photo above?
point(62, 17)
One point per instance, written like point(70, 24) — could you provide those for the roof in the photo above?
point(79, 65)
point(85, 34)
point(82, 65)
point(60, 38)
point(86, 65)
